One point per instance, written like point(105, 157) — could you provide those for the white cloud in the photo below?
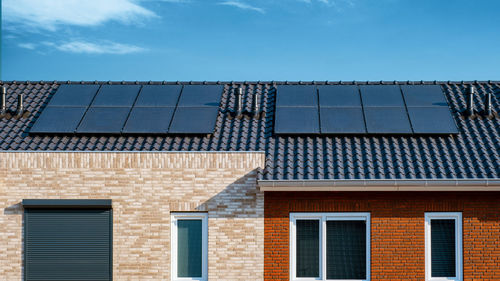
point(242, 5)
point(50, 14)
point(83, 47)
point(29, 46)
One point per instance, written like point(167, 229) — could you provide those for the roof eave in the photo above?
point(492, 184)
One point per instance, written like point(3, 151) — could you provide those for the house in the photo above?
point(250, 181)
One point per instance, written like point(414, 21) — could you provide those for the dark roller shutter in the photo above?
point(307, 248)
point(443, 248)
point(68, 244)
point(346, 250)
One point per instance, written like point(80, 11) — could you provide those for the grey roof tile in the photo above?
point(473, 153)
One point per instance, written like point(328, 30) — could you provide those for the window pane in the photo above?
point(443, 248)
point(189, 248)
point(346, 250)
point(307, 248)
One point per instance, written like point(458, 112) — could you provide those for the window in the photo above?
point(189, 246)
point(67, 239)
point(330, 246)
point(443, 246)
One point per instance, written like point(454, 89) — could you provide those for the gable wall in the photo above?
point(397, 229)
point(145, 188)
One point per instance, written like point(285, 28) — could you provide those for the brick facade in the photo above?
point(397, 229)
point(145, 188)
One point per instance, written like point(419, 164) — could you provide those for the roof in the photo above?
point(472, 154)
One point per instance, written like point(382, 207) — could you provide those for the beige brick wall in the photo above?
point(145, 188)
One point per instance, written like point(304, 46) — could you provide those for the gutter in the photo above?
point(492, 184)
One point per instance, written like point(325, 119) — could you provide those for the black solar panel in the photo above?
point(296, 120)
point(58, 120)
point(339, 95)
point(342, 120)
point(296, 95)
point(74, 95)
point(387, 120)
point(159, 95)
point(424, 95)
point(432, 120)
point(106, 120)
point(381, 95)
point(201, 95)
point(153, 120)
point(194, 120)
point(116, 95)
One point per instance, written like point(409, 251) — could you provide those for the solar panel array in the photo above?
point(131, 109)
point(364, 109)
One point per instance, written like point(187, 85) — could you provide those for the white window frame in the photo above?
point(323, 218)
point(173, 245)
point(457, 216)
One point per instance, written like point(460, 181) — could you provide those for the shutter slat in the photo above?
point(307, 235)
point(443, 248)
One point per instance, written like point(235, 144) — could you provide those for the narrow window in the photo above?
point(330, 246)
point(189, 246)
point(443, 239)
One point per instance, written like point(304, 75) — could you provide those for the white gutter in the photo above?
point(492, 184)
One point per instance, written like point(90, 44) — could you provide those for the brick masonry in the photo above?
point(145, 188)
point(397, 229)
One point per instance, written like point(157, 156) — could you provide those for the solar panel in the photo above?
point(58, 120)
point(381, 95)
point(387, 120)
point(149, 120)
point(424, 95)
point(339, 95)
point(158, 95)
point(296, 95)
point(342, 120)
point(107, 120)
point(296, 120)
point(74, 95)
point(116, 95)
point(194, 120)
point(201, 95)
point(432, 120)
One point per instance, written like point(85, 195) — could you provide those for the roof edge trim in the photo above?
point(492, 184)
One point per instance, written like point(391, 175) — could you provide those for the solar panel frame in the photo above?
point(58, 119)
point(158, 96)
point(116, 96)
point(381, 95)
point(184, 123)
point(432, 120)
point(74, 95)
point(296, 95)
point(339, 96)
point(293, 120)
point(387, 120)
point(104, 120)
point(342, 120)
point(424, 95)
point(201, 96)
point(148, 120)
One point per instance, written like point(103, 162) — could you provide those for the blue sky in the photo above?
point(250, 40)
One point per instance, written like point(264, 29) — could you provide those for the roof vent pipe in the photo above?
point(3, 105)
point(470, 101)
point(255, 105)
point(487, 104)
point(239, 102)
point(20, 105)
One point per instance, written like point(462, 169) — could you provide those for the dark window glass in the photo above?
point(346, 250)
point(189, 248)
point(307, 248)
point(443, 248)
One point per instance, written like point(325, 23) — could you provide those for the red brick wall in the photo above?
point(397, 229)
